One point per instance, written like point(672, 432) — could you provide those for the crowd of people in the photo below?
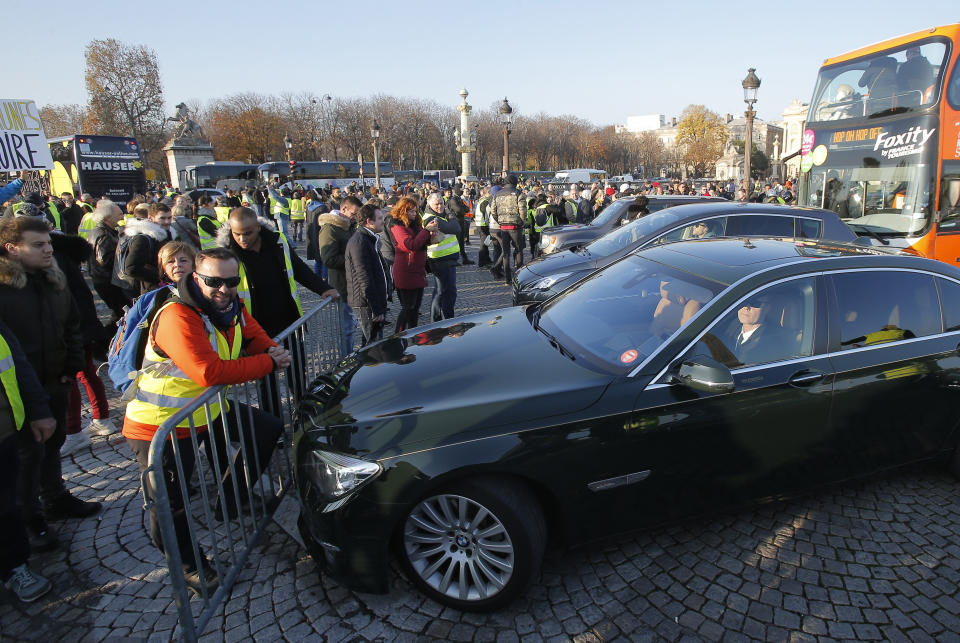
point(222, 276)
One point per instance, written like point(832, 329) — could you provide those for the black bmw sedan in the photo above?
point(681, 379)
point(572, 235)
point(548, 275)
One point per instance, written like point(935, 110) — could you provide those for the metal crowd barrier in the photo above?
point(225, 541)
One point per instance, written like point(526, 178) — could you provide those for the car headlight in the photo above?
point(335, 475)
point(548, 242)
point(547, 282)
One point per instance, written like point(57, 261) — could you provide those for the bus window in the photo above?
point(899, 80)
point(950, 200)
point(953, 89)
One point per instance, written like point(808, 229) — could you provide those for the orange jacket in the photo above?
point(180, 335)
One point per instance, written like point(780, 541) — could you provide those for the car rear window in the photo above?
point(760, 226)
point(808, 228)
point(950, 301)
point(879, 306)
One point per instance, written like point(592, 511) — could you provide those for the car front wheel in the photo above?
point(475, 546)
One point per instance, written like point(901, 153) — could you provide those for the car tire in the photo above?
point(476, 545)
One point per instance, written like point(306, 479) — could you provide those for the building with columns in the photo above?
point(794, 118)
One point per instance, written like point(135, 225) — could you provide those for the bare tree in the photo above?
point(63, 120)
point(126, 96)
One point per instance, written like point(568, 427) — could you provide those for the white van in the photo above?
point(587, 175)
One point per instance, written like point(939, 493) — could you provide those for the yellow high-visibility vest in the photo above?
point(297, 210)
point(8, 377)
point(163, 389)
point(446, 247)
point(243, 289)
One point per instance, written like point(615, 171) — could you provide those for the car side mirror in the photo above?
point(704, 374)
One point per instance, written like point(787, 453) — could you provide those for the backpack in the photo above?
point(125, 356)
point(120, 278)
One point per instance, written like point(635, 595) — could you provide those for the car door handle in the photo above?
point(805, 378)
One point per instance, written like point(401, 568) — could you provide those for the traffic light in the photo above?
point(293, 166)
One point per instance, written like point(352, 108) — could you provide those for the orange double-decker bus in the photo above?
point(881, 146)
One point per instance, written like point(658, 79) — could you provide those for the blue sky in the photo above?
point(599, 60)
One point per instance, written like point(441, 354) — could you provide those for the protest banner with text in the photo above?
point(23, 145)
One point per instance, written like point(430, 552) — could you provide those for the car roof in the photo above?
point(727, 260)
point(722, 206)
point(685, 197)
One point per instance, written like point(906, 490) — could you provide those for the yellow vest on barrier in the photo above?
point(8, 377)
point(446, 247)
point(243, 289)
point(163, 389)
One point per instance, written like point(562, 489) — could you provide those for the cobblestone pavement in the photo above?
point(874, 560)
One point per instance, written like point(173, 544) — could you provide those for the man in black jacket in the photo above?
point(36, 304)
point(336, 229)
point(459, 209)
point(143, 238)
point(263, 256)
point(366, 273)
point(70, 214)
point(442, 257)
point(103, 238)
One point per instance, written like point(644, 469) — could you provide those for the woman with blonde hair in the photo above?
point(175, 260)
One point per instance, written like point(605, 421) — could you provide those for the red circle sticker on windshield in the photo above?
point(629, 356)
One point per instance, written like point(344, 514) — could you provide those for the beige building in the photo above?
point(794, 119)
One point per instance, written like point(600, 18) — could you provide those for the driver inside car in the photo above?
point(760, 339)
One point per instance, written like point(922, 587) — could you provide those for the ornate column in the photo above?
point(467, 139)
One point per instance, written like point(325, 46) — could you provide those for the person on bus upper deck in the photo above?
point(880, 78)
point(915, 75)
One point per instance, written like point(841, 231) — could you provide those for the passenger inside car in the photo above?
point(679, 302)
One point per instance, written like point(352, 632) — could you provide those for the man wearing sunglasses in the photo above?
point(194, 342)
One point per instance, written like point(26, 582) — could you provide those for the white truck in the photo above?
point(576, 175)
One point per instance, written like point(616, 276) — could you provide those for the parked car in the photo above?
point(210, 192)
point(677, 380)
point(548, 275)
point(556, 238)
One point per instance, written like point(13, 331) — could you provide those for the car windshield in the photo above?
point(612, 211)
point(619, 316)
point(632, 232)
point(895, 81)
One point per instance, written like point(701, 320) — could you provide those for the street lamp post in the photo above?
point(375, 135)
point(360, 161)
point(506, 117)
point(750, 86)
point(288, 146)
